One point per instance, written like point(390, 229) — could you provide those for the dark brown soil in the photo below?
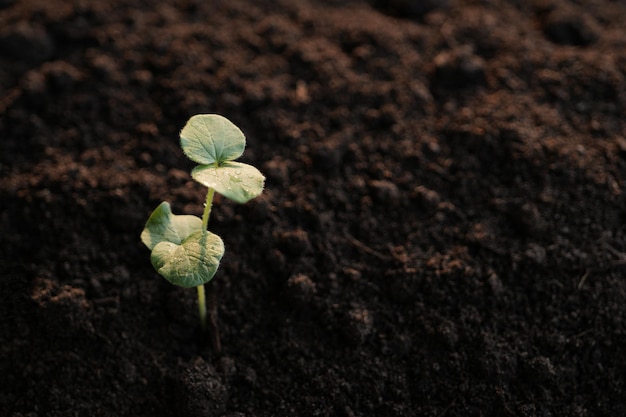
point(442, 232)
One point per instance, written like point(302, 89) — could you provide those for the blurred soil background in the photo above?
point(441, 234)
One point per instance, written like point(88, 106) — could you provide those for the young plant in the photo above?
point(183, 251)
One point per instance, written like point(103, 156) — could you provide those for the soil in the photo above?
point(442, 231)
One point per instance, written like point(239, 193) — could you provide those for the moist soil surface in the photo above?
point(441, 233)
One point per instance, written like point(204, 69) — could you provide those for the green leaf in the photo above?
point(163, 226)
point(182, 251)
point(211, 138)
point(192, 263)
point(234, 180)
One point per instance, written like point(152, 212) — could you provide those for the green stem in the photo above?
point(205, 225)
point(207, 208)
point(212, 323)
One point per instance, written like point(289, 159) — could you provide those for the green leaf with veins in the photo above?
point(163, 226)
point(234, 180)
point(182, 252)
point(192, 263)
point(214, 142)
point(211, 138)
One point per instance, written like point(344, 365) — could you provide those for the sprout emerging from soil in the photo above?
point(183, 251)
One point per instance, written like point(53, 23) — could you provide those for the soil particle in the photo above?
point(527, 218)
point(427, 199)
point(300, 289)
point(535, 253)
point(327, 158)
point(294, 242)
point(30, 43)
point(200, 391)
point(540, 369)
point(227, 367)
point(276, 170)
point(357, 325)
point(459, 68)
point(447, 333)
point(568, 26)
point(276, 261)
point(386, 192)
point(59, 76)
point(65, 300)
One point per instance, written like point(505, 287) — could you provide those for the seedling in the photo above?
point(184, 252)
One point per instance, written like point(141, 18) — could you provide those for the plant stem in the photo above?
point(212, 323)
point(202, 306)
point(207, 208)
point(205, 225)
